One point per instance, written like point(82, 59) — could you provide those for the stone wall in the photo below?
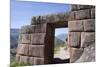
point(82, 34)
point(36, 41)
point(31, 48)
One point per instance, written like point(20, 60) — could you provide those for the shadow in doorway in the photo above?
point(59, 61)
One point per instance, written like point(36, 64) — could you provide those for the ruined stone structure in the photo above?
point(36, 41)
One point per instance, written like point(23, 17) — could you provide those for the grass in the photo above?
point(57, 48)
point(15, 64)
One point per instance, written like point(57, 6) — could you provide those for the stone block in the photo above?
point(36, 50)
point(24, 60)
point(38, 61)
point(74, 7)
point(71, 16)
point(25, 38)
point(27, 29)
point(89, 25)
point(81, 7)
point(87, 38)
point(38, 38)
point(23, 49)
point(31, 60)
point(88, 54)
point(75, 39)
point(93, 13)
point(83, 14)
point(17, 58)
point(40, 28)
point(75, 54)
point(75, 25)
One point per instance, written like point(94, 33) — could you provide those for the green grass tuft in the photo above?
point(15, 64)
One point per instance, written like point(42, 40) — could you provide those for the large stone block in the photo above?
point(27, 29)
point(75, 25)
point(87, 38)
point(40, 28)
point(23, 49)
point(89, 25)
point(52, 18)
point(83, 14)
point(74, 7)
point(25, 38)
point(17, 58)
point(31, 60)
point(88, 54)
point(75, 38)
point(75, 54)
point(81, 7)
point(36, 50)
point(38, 38)
point(71, 16)
point(24, 60)
point(38, 61)
point(93, 13)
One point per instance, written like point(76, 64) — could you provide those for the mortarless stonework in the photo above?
point(36, 41)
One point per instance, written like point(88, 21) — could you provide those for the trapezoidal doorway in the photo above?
point(61, 52)
point(55, 48)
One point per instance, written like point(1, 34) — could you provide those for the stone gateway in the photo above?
point(36, 41)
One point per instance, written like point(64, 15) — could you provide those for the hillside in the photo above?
point(62, 37)
point(58, 42)
point(14, 33)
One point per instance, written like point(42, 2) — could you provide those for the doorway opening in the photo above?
point(61, 52)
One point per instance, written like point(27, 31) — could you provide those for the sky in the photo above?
point(59, 31)
point(23, 11)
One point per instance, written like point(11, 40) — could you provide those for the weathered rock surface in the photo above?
point(23, 49)
point(25, 38)
point(75, 25)
point(87, 38)
point(83, 14)
point(49, 18)
point(88, 54)
point(40, 28)
point(80, 7)
point(38, 38)
point(17, 58)
point(71, 16)
point(36, 50)
point(75, 39)
point(38, 61)
point(89, 25)
point(27, 29)
point(75, 54)
point(31, 60)
point(24, 59)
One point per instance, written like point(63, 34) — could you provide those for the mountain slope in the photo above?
point(58, 42)
point(62, 37)
point(14, 33)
